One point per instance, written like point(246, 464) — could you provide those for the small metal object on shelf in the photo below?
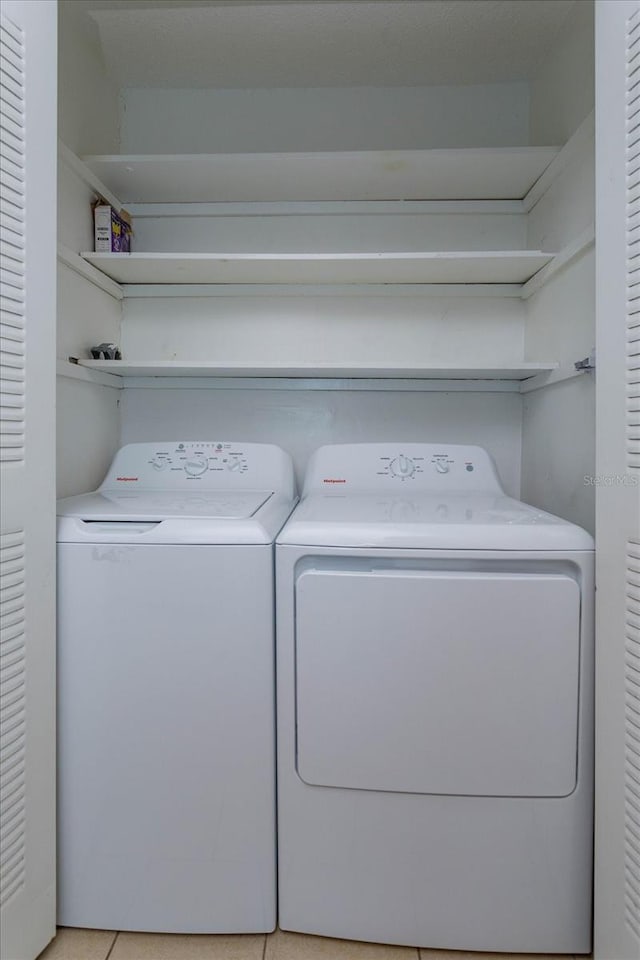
point(106, 351)
point(589, 363)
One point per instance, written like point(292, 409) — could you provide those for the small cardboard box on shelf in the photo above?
point(112, 228)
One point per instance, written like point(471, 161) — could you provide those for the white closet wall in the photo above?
point(87, 96)
point(561, 91)
point(344, 325)
point(330, 324)
point(326, 327)
point(328, 118)
point(88, 419)
point(558, 440)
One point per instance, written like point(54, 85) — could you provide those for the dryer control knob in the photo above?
point(442, 467)
point(402, 466)
point(195, 467)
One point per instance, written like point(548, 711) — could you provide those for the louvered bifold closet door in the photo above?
point(12, 252)
point(617, 834)
point(632, 106)
point(632, 621)
point(27, 474)
point(632, 741)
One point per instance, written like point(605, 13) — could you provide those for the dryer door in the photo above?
point(435, 681)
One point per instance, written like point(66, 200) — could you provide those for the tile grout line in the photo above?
point(113, 943)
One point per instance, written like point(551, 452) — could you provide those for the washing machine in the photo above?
point(435, 707)
point(166, 714)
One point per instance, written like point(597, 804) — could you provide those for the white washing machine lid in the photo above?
point(150, 505)
point(428, 521)
point(216, 517)
point(187, 491)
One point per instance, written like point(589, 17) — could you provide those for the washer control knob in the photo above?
point(442, 467)
point(195, 466)
point(158, 464)
point(402, 466)
point(234, 464)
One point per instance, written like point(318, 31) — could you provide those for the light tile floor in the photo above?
point(72, 944)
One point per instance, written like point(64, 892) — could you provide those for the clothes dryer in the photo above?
point(166, 708)
point(435, 707)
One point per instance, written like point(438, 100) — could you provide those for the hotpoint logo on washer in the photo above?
point(326, 480)
point(128, 479)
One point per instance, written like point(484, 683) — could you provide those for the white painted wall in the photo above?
point(558, 432)
point(86, 315)
point(567, 208)
point(562, 89)
point(334, 118)
point(338, 325)
point(88, 122)
point(75, 221)
point(302, 420)
point(558, 426)
point(88, 421)
point(88, 434)
point(331, 325)
point(367, 232)
point(560, 317)
point(558, 450)
point(88, 117)
point(325, 327)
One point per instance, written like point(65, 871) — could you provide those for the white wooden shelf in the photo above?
point(364, 369)
point(488, 173)
point(494, 266)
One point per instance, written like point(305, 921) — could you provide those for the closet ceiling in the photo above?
point(322, 43)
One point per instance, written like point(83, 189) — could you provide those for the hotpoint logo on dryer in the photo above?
point(331, 480)
point(127, 479)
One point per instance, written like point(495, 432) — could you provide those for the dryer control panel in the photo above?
point(423, 467)
point(209, 464)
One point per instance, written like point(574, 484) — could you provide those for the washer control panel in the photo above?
point(197, 459)
point(423, 467)
point(210, 464)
